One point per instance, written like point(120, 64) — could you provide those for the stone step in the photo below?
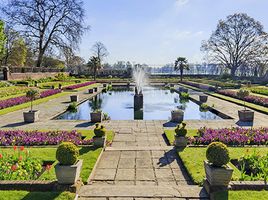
point(140, 148)
point(187, 191)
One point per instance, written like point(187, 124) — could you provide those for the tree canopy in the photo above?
point(238, 41)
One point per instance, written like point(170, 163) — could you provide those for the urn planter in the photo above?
point(95, 89)
point(90, 91)
point(203, 98)
point(68, 174)
point(31, 116)
point(96, 116)
point(74, 98)
point(99, 141)
point(246, 115)
point(218, 176)
point(177, 115)
point(104, 85)
point(180, 141)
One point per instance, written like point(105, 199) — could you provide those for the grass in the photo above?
point(88, 154)
point(242, 194)
point(39, 101)
point(25, 195)
point(170, 134)
point(193, 158)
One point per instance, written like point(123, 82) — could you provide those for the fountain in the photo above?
point(140, 81)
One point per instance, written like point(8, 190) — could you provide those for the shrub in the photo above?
point(184, 95)
point(204, 107)
point(99, 130)
point(217, 154)
point(72, 107)
point(32, 94)
point(67, 153)
point(180, 130)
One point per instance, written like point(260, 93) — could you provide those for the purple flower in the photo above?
point(72, 87)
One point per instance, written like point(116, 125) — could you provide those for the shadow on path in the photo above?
point(240, 123)
point(14, 125)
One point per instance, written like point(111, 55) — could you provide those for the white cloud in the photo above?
point(181, 2)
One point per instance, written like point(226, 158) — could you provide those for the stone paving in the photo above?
point(139, 164)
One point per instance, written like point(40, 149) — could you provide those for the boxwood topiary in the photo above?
point(180, 130)
point(217, 154)
point(99, 130)
point(67, 153)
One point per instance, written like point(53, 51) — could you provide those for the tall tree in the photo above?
point(18, 53)
point(49, 23)
point(100, 51)
point(94, 65)
point(2, 39)
point(181, 64)
point(236, 42)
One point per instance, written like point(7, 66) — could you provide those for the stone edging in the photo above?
point(248, 185)
point(38, 185)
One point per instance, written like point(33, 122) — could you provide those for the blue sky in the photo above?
point(158, 31)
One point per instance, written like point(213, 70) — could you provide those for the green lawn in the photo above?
point(39, 101)
point(242, 194)
point(89, 154)
point(193, 158)
point(25, 195)
point(170, 134)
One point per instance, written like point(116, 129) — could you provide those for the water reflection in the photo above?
point(158, 103)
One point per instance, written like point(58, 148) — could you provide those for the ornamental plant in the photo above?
point(231, 136)
point(184, 95)
point(242, 94)
point(180, 130)
point(99, 130)
point(38, 138)
point(217, 154)
point(67, 153)
point(18, 165)
point(32, 94)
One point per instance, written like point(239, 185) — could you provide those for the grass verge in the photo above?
point(242, 194)
point(88, 154)
point(193, 157)
point(170, 134)
point(25, 195)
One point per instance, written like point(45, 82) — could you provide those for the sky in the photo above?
point(156, 32)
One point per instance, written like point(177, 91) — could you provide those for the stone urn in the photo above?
point(218, 176)
point(203, 98)
point(74, 98)
point(177, 116)
point(96, 116)
point(104, 85)
point(90, 91)
point(95, 89)
point(246, 115)
point(31, 116)
point(180, 141)
point(98, 141)
point(68, 174)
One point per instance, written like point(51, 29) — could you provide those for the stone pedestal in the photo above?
point(90, 91)
point(74, 98)
point(177, 116)
point(138, 101)
point(203, 98)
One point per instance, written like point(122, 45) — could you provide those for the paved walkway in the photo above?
point(139, 165)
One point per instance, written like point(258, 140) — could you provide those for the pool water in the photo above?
point(119, 105)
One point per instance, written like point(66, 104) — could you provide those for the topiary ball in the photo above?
point(67, 153)
point(217, 154)
point(99, 130)
point(180, 130)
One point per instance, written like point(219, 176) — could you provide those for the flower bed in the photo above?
point(30, 138)
point(231, 136)
point(73, 87)
point(262, 101)
point(200, 85)
point(23, 99)
point(19, 165)
point(12, 90)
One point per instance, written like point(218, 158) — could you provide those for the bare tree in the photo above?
point(49, 23)
point(100, 51)
point(236, 42)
